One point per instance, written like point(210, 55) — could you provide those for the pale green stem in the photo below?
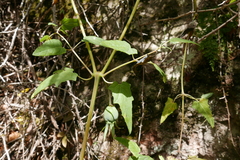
point(134, 60)
point(122, 35)
point(75, 54)
point(182, 93)
point(84, 35)
point(97, 77)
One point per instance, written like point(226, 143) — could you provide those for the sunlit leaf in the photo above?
point(122, 46)
point(57, 78)
point(132, 146)
point(206, 96)
point(203, 108)
point(232, 1)
point(143, 157)
point(60, 134)
point(161, 157)
point(25, 90)
point(64, 141)
point(194, 158)
point(50, 48)
point(180, 40)
point(118, 45)
point(170, 106)
point(122, 95)
point(93, 39)
point(160, 71)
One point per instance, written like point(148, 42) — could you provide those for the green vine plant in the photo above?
point(121, 92)
point(199, 104)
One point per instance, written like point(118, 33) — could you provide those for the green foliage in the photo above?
point(69, 24)
point(121, 46)
point(45, 38)
point(57, 78)
point(180, 40)
point(132, 146)
point(49, 48)
point(160, 71)
point(170, 106)
point(122, 95)
point(232, 1)
point(203, 108)
point(210, 50)
point(213, 44)
point(140, 157)
point(134, 149)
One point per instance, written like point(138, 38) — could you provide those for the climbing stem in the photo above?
point(122, 35)
point(97, 76)
point(84, 35)
point(185, 49)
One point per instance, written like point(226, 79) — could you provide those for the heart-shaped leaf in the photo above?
point(49, 48)
point(132, 146)
point(203, 108)
point(122, 95)
point(57, 78)
point(170, 106)
point(117, 45)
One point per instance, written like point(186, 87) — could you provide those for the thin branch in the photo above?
point(215, 30)
point(228, 115)
point(199, 11)
point(87, 19)
point(75, 53)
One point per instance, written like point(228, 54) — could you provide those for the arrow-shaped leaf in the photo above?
point(206, 96)
point(49, 48)
point(180, 40)
point(132, 146)
point(160, 71)
point(170, 106)
point(118, 45)
point(203, 108)
point(122, 95)
point(57, 78)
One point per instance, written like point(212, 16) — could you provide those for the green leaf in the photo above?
point(203, 108)
point(160, 71)
point(206, 96)
point(143, 157)
point(161, 157)
point(50, 48)
point(122, 46)
point(93, 39)
point(194, 158)
point(132, 146)
point(170, 106)
point(69, 24)
point(140, 157)
point(180, 40)
point(122, 95)
point(57, 78)
point(118, 45)
point(45, 38)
